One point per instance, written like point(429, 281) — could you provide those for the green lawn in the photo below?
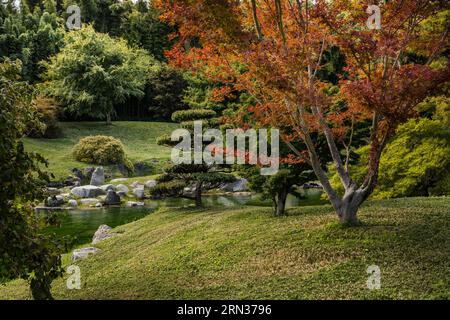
point(246, 253)
point(139, 139)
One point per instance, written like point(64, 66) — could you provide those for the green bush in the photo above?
point(193, 114)
point(102, 150)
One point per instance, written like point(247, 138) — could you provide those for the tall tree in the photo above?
point(93, 72)
point(284, 57)
point(24, 251)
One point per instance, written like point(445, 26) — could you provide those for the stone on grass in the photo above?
point(122, 188)
point(119, 180)
point(98, 177)
point(83, 253)
point(102, 233)
point(139, 193)
point(151, 183)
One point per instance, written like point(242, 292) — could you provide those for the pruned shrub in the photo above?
point(172, 188)
point(47, 111)
point(193, 114)
point(102, 150)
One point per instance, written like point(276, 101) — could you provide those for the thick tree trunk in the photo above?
point(198, 194)
point(40, 290)
point(108, 119)
point(280, 209)
point(347, 207)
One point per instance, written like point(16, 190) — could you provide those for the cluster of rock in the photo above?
point(102, 233)
point(97, 193)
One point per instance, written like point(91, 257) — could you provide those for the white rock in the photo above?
point(135, 204)
point(83, 253)
point(119, 180)
point(102, 233)
point(87, 191)
point(98, 177)
point(139, 193)
point(151, 183)
point(73, 203)
point(98, 205)
point(122, 188)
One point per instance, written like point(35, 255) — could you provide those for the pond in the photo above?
point(82, 224)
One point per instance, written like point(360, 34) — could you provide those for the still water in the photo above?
point(80, 225)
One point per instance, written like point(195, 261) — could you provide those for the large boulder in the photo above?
point(139, 193)
point(102, 233)
point(122, 188)
point(112, 198)
point(83, 253)
point(98, 177)
point(239, 185)
point(87, 191)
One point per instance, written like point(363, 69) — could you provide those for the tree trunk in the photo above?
point(198, 194)
point(347, 207)
point(281, 204)
point(108, 119)
point(40, 289)
point(347, 214)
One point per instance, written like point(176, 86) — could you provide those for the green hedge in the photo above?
point(193, 114)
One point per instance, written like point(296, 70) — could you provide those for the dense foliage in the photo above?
point(416, 162)
point(24, 251)
point(102, 150)
point(278, 52)
point(93, 72)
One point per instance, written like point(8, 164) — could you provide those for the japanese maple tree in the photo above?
point(274, 49)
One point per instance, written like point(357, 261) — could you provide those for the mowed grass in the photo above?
point(139, 139)
point(246, 253)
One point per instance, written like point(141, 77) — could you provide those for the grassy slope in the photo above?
point(139, 139)
point(247, 253)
